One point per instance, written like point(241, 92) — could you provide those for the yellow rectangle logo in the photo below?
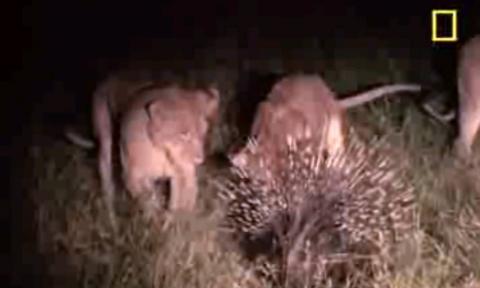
point(453, 35)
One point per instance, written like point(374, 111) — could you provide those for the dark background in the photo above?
point(63, 41)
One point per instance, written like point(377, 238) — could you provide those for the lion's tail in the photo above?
point(79, 140)
point(443, 118)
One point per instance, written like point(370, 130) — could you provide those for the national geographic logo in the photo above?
point(444, 26)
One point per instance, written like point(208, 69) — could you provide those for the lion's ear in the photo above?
point(214, 93)
point(149, 109)
point(155, 120)
point(156, 111)
point(263, 115)
point(212, 103)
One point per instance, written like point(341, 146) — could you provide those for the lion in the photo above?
point(298, 106)
point(162, 134)
point(164, 138)
point(467, 114)
point(468, 83)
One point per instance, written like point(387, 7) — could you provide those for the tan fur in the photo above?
point(296, 105)
point(161, 136)
point(299, 105)
point(164, 139)
point(109, 100)
point(468, 81)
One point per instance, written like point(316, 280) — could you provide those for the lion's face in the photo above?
point(183, 117)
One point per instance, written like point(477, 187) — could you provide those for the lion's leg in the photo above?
point(176, 188)
point(141, 187)
point(103, 130)
point(468, 120)
point(469, 124)
point(184, 189)
point(106, 177)
point(190, 193)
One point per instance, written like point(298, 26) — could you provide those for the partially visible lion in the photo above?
point(301, 105)
point(164, 138)
point(468, 83)
point(467, 112)
point(162, 134)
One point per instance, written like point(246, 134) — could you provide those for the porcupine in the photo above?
point(321, 211)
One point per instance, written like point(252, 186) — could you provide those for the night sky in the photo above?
point(62, 39)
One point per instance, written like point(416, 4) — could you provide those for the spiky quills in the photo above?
point(321, 209)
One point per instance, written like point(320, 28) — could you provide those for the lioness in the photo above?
point(162, 131)
point(164, 138)
point(467, 114)
point(299, 105)
point(468, 83)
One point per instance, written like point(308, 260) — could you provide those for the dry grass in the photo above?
point(194, 252)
